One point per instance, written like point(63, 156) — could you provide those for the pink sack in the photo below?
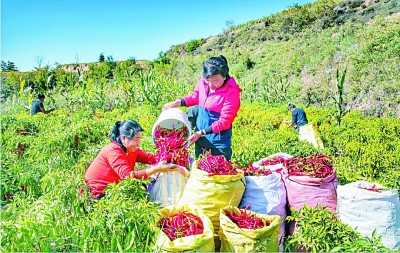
point(311, 191)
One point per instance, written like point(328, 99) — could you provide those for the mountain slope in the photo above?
point(294, 56)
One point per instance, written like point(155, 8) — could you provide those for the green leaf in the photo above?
point(119, 246)
point(336, 249)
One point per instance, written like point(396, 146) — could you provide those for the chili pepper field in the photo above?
point(46, 206)
point(336, 59)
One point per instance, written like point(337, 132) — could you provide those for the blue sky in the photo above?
point(80, 30)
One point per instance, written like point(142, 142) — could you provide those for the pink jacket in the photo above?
point(217, 111)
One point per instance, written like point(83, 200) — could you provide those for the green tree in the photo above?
point(229, 24)
point(193, 45)
point(102, 58)
point(131, 61)
point(111, 64)
point(163, 58)
point(8, 66)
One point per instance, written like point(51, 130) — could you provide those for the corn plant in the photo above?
point(152, 88)
point(340, 107)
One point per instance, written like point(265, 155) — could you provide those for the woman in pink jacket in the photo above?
point(218, 98)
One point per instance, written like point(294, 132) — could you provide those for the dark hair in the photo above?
point(40, 96)
point(129, 128)
point(216, 65)
point(290, 106)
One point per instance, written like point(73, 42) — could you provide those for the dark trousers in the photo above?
point(192, 113)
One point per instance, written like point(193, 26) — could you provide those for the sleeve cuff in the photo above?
point(140, 174)
point(208, 130)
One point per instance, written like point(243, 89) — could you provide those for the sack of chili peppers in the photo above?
point(213, 184)
point(265, 193)
point(247, 231)
point(310, 180)
point(184, 228)
point(368, 206)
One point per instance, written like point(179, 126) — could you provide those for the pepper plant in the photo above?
point(319, 230)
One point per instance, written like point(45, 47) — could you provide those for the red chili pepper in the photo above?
point(171, 145)
point(373, 188)
point(247, 220)
point(217, 165)
point(273, 160)
point(254, 171)
point(181, 224)
point(316, 165)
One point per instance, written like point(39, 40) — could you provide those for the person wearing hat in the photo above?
point(37, 106)
point(299, 117)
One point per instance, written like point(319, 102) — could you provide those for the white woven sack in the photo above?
point(267, 195)
point(168, 188)
point(366, 210)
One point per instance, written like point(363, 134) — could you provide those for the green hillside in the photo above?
point(294, 55)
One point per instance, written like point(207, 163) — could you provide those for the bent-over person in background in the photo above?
point(37, 106)
point(299, 117)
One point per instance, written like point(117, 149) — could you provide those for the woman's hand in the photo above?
point(195, 136)
point(171, 105)
point(162, 166)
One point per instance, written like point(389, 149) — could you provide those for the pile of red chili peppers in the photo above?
point(217, 165)
point(273, 160)
point(247, 220)
point(171, 145)
point(316, 165)
point(181, 224)
point(254, 171)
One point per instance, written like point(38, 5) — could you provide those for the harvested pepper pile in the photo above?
point(250, 170)
point(247, 220)
point(273, 160)
point(316, 165)
point(181, 224)
point(217, 165)
point(171, 145)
